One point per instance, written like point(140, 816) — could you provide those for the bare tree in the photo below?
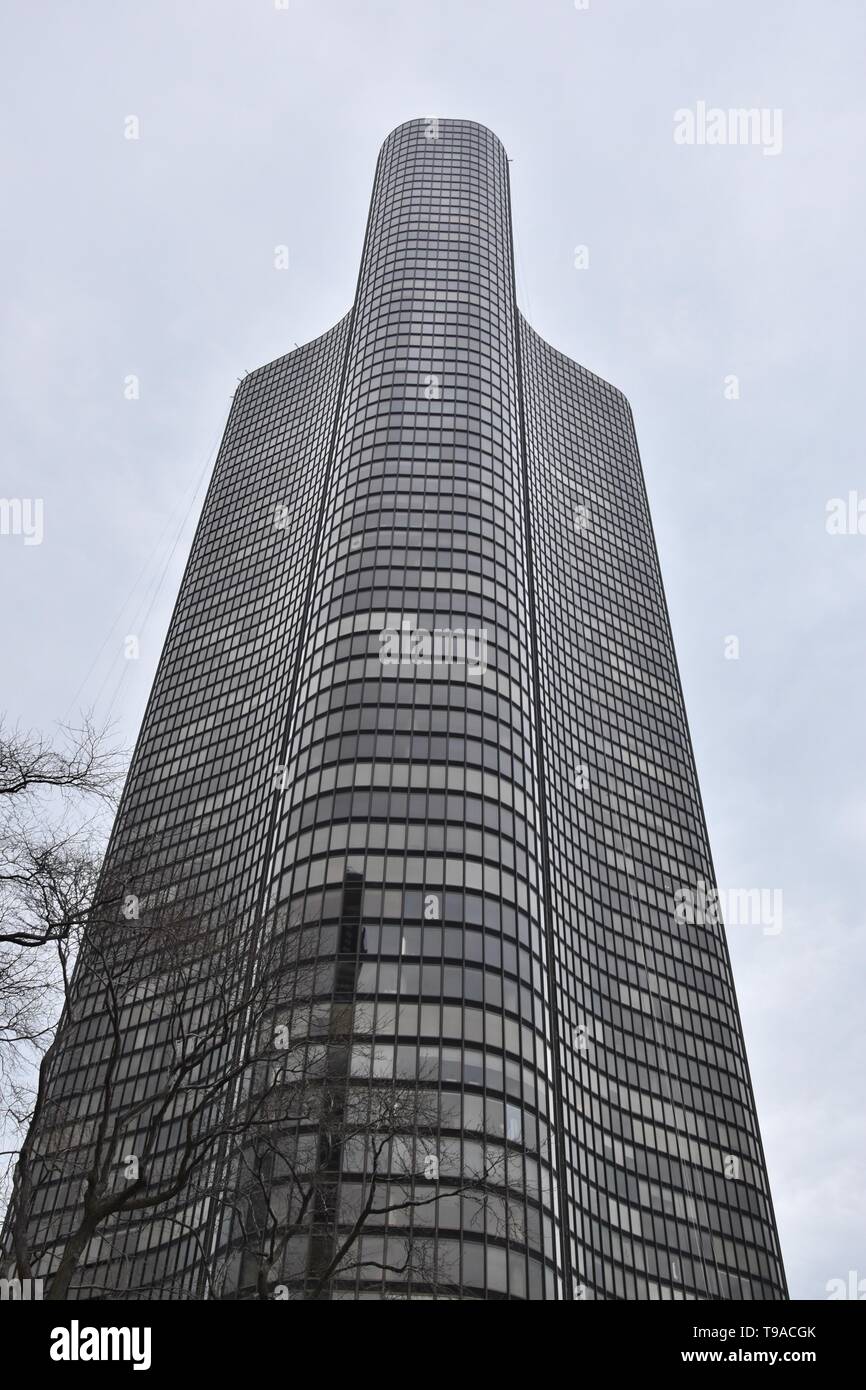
point(267, 1079)
point(191, 974)
point(55, 804)
point(304, 1234)
point(345, 1152)
point(50, 799)
point(256, 1123)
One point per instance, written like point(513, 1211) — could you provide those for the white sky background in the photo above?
point(260, 127)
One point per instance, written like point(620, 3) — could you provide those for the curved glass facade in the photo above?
point(421, 776)
point(667, 1189)
point(424, 589)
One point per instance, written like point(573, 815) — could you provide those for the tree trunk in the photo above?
point(59, 1287)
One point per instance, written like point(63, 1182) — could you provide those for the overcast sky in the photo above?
point(259, 127)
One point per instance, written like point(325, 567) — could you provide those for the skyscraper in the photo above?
point(419, 706)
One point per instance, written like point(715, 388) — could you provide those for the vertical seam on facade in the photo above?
point(552, 960)
point(303, 627)
point(260, 904)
